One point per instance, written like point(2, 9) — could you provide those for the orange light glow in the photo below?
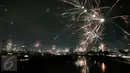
point(103, 67)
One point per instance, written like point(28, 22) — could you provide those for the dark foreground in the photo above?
point(66, 64)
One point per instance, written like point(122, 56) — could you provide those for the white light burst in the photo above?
point(89, 19)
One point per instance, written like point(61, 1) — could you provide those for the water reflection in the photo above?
point(103, 67)
point(82, 63)
point(95, 62)
point(95, 66)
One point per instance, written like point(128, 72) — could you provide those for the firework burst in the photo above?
point(87, 16)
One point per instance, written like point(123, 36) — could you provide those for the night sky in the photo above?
point(41, 20)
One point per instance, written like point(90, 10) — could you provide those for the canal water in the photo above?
point(69, 64)
point(102, 65)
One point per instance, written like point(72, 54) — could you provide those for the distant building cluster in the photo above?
point(63, 51)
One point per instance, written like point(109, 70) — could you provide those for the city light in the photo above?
point(23, 46)
point(26, 56)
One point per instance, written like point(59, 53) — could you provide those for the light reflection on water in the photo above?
point(82, 62)
point(103, 67)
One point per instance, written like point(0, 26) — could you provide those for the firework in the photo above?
point(37, 44)
point(102, 47)
point(53, 47)
point(87, 16)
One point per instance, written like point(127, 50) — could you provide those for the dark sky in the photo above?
point(40, 20)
